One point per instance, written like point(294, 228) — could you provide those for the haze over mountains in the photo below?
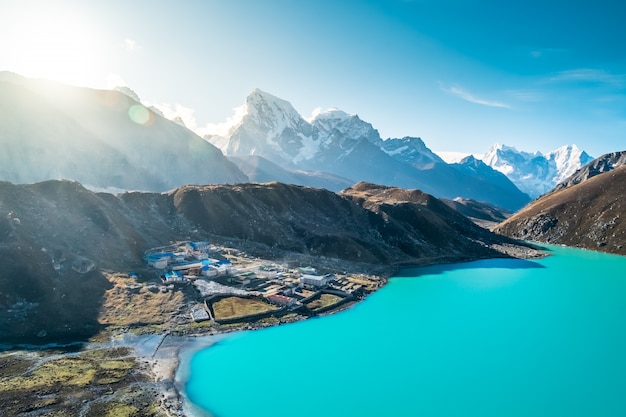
point(103, 139)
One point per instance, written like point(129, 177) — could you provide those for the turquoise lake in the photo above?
point(488, 338)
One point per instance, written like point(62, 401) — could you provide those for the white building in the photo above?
point(316, 280)
point(158, 263)
point(209, 271)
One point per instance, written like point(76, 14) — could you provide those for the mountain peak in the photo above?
point(262, 105)
point(257, 93)
point(536, 173)
point(470, 160)
point(332, 113)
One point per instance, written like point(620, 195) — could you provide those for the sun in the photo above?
point(51, 43)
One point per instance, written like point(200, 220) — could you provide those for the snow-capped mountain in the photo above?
point(344, 145)
point(536, 173)
point(270, 127)
point(602, 164)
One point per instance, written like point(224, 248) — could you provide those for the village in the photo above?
point(236, 288)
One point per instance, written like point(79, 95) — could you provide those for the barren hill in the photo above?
point(587, 215)
point(57, 238)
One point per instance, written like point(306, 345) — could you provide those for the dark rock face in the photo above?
point(56, 237)
point(588, 215)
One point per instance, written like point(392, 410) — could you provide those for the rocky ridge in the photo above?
point(62, 239)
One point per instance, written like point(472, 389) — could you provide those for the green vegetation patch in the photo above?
point(65, 371)
point(113, 409)
point(231, 307)
point(59, 386)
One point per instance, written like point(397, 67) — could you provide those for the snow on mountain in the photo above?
point(568, 159)
point(536, 173)
point(412, 151)
point(269, 127)
point(337, 143)
point(333, 122)
point(604, 163)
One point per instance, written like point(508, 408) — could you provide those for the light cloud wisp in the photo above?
point(187, 116)
point(590, 75)
point(467, 96)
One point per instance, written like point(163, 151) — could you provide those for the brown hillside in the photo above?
point(418, 223)
point(587, 215)
point(57, 239)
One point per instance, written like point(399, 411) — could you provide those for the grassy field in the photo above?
point(231, 307)
point(324, 300)
point(123, 306)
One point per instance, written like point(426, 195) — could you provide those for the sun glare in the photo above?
point(52, 44)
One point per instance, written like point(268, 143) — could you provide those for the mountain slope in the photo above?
point(535, 173)
point(56, 238)
point(587, 215)
point(100, 138)
point(414, 220)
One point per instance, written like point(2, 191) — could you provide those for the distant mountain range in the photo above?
point(586, 210)
point(348, 148)
point(536, 173)
point(109, 140)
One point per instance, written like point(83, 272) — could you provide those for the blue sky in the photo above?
point(461, 74)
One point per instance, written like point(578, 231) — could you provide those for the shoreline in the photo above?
point(195, 342)
point(161, 359)
point(180, 406)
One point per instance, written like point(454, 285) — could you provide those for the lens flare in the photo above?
point(139, 114)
